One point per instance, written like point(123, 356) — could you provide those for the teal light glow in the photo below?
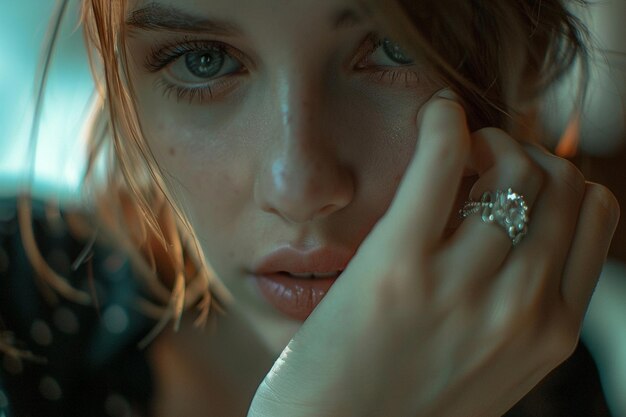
point(59, 158)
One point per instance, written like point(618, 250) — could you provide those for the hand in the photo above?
point(451, 324)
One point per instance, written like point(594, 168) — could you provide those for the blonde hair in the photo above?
point(485, 50)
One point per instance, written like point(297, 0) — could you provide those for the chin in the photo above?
point(271, 328)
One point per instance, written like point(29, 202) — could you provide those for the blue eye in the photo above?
point(205, 64)
point(382, 52)
point(198, 69)
point(385, 62)
point(395, 53)
point(195, 69)
point(194, 61)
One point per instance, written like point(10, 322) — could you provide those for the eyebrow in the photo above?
point(156, 16)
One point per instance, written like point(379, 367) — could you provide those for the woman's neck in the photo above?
point(207, 372)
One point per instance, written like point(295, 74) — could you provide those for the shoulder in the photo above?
point(39, 238)
point(66, 355)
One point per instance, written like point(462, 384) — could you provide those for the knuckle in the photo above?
point(605, 200)
point(561, 338)
point(566, 173)
point(525, 171)
point(450, 156)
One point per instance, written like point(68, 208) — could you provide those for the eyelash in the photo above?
point(384, 74)
point(162, 56)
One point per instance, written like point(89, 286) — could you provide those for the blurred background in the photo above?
point(60, 142)
point(599, 148)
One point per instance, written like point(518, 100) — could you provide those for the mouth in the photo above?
point(294, 282)
point(295, 295)
point(312, 275)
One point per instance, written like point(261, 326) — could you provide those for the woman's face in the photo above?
point(277, 123)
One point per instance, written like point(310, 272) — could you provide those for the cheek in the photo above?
point(380, 129)
point(387, 137)
point(205, 166)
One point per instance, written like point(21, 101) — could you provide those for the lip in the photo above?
point(293, 297)
point(289, 259)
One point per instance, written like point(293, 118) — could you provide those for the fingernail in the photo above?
point(448, 94)
point(443, 93)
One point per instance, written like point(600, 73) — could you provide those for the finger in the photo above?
point(425, 197)
point(555, 214)
point(501, 162)
point(597, 220)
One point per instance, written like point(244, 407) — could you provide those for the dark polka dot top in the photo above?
point(57, 357)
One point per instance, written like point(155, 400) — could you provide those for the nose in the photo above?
point(303, 178)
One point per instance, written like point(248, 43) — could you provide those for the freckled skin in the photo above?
point(301, 146)
point(303, 149)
